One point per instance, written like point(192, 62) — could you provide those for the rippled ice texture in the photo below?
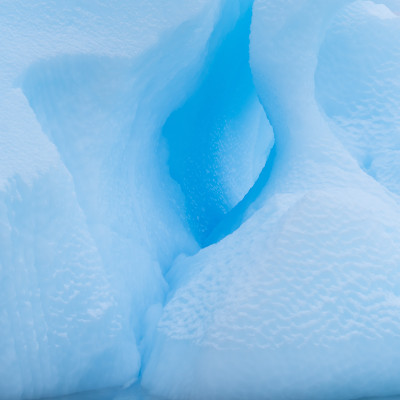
point(200, 198)
point(135, 393)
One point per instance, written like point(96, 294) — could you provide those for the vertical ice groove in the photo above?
point(216, 159)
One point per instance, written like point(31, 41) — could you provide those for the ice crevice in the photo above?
point(220, 138)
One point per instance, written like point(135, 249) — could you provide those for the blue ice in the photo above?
point(199, 199)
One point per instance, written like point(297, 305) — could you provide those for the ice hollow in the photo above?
point(220, 138)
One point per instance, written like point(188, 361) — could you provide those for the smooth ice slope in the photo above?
point(302, 301)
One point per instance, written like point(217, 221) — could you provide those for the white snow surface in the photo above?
point(202, 196)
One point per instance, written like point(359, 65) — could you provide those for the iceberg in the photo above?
point(200, 199)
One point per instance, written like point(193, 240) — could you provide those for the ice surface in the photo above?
point(301, 301)
point(137, 393)
point(134, 392)
point(358, 87)
point(90, 217)
point(84, 223)
point(200, 197)
point(216, 159)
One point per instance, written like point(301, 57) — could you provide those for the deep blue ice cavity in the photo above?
point(194, 132)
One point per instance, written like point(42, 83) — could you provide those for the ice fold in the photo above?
point(90, 217)
point(300, 300)
point(201, 196)
point(86, 211)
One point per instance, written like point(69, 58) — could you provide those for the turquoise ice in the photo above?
point(200, 198)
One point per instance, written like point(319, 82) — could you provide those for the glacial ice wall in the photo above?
point(201, 196)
